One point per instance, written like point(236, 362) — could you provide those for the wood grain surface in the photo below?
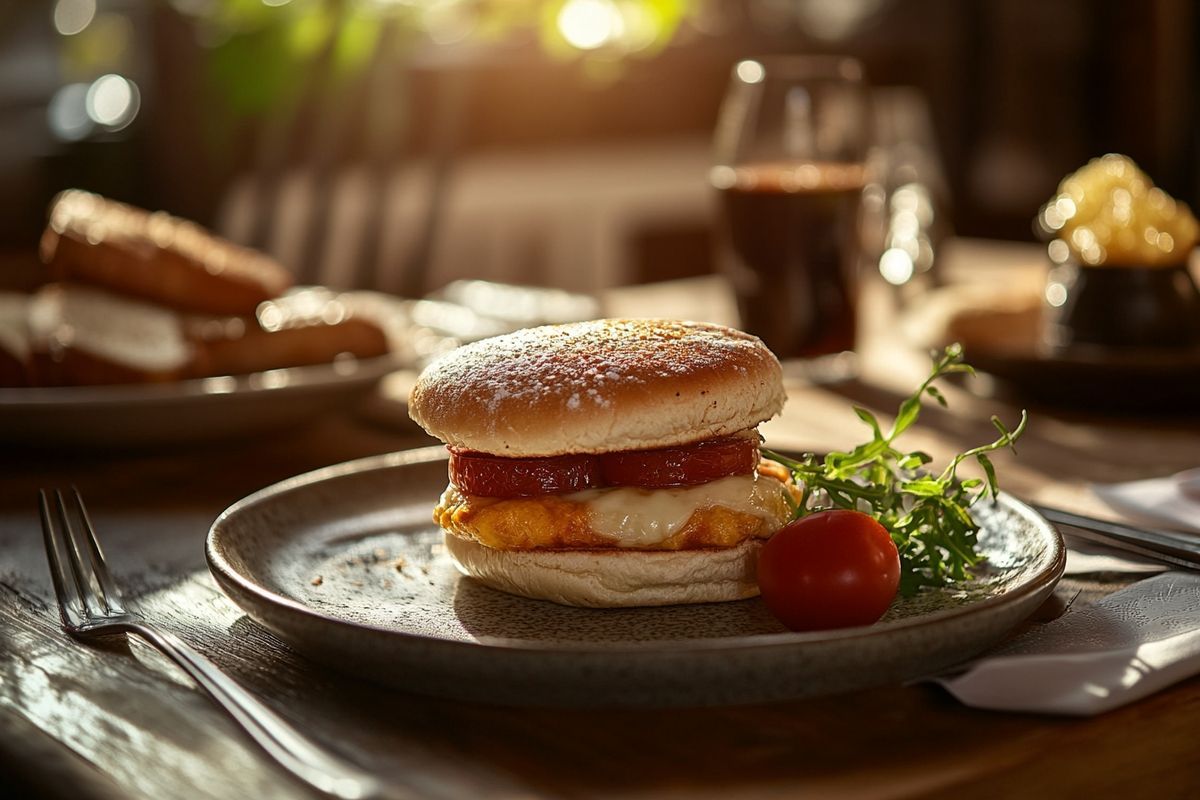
point(119, 721)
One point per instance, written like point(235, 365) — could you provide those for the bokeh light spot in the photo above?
point(112, 101)
point(1056, 294)
point(72, 16)
point(1059, 251)
point(589, 24)
point(896, 266)
point(750, 71)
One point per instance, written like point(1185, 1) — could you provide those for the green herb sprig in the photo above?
point(928, 514)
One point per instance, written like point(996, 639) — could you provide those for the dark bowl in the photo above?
point(1117, 307)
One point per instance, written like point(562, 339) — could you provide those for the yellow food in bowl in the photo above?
point(1109, 212)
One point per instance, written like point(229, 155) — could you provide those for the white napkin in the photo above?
point(1096, 657)
point(1173, 501)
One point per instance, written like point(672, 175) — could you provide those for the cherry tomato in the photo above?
point(496, 476)
point(686, 465)
point(831, 569)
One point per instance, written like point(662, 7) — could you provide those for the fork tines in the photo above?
point(84, 587)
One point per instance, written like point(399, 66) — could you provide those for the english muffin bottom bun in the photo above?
point(608, 463)
point(614, 578)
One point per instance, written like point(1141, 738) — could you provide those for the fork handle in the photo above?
point(290, 749)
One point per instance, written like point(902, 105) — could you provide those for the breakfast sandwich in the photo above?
point(83, 335)
point(608, 463)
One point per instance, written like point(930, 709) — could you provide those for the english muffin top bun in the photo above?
point(595, 387)
point(608, 463)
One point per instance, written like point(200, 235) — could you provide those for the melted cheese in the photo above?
point(128, 332)
point(644, 517)
point(14, 330)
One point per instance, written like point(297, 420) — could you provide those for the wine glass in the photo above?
point(792, 146)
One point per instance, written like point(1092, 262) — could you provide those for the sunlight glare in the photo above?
point(589, 24)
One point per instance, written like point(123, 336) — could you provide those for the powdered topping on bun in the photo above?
point(599, 386)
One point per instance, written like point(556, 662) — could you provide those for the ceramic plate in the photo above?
point(345, 566)
point(187, 411)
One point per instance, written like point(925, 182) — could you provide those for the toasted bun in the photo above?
point(599, 386)
point(305, 326)
point(614, 578)
point(155, 257)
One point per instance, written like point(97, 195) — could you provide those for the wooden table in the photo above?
point(121, 722)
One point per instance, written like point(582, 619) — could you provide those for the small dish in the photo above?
point(1116, 308)
point(1001, 331)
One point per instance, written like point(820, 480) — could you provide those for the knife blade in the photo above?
point(1177, 549)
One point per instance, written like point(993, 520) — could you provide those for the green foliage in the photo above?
point(256, 51)
point(927, 513)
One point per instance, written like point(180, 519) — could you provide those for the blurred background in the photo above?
point(401, 144)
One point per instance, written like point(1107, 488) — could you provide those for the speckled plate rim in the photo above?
point(1048, 572)
point(289, 380)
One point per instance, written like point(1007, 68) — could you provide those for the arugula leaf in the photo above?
point(927, 514)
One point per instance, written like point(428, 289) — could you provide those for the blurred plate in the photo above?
point(999, 328)
point(1146, 381)
point(345, 566)
point(187, 411)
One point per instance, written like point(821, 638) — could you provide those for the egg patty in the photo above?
point(569, 522)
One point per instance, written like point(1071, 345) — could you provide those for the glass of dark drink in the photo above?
point(791, 154)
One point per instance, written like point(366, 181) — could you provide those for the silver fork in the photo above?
point(91, 605)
